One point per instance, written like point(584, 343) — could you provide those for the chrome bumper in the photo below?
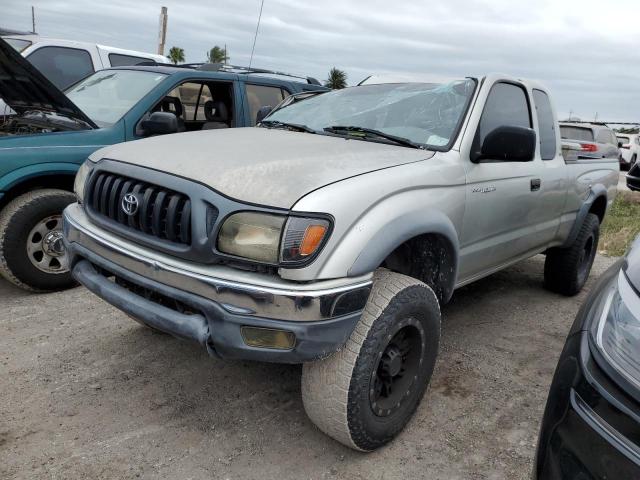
point(237, 292)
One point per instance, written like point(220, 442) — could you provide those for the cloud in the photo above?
point(585, 51)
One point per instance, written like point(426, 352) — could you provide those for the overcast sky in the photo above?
point(587, 52)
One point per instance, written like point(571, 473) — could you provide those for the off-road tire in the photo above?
point(336, 390)
point(17, 219)
point(566, 269)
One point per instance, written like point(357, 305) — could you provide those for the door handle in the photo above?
point(535, 184)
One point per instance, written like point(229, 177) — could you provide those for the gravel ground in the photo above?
point(87, 393)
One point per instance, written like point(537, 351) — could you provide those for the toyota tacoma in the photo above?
point(331, 234)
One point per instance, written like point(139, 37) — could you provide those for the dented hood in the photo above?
point(261, 166)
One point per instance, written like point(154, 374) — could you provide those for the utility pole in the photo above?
point(162, 30)
point(33, 19)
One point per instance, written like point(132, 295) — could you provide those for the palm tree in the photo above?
point(337, 79)
point(217, 55)
point(176, 55)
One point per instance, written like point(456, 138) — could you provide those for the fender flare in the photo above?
point(596, 192)
point(401, 229)
point(19, 175)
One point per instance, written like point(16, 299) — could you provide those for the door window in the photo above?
point(506, 105)
point(546, 124)
point(61, 65)
point(262, 95)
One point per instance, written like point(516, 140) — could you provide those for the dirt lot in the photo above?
point(87, 393)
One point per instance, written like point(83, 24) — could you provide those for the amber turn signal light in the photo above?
point(303, 238)
point(313, 236)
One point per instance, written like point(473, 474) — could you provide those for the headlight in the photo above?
point(616, 331)
point(259, 236)
point(252, 235)
point(81, 179)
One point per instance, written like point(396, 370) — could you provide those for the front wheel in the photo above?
point(364, 395)
point(32, 254)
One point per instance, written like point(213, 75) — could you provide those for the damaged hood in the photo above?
point(23, 88)
point(258, 165)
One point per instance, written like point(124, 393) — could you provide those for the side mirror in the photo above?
point(507, 143)
point(159, 123)
point(263, 112)
point(619, 144)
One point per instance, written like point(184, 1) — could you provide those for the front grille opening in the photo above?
point(154, 210)
point(148, 293)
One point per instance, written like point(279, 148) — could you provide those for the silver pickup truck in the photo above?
point(331, 234)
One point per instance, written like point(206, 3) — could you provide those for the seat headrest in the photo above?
point(216, 111)
point(172, 105)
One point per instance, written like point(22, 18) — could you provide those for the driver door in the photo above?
point(499, 222)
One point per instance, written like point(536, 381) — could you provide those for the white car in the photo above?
point(629, 149)
point(65, 62)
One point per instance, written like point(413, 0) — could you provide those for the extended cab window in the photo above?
point(506, 106)
point(260, 96)
point(119, 60)
point(61, 65)
point(546, 124)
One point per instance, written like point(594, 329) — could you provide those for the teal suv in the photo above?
point(46, 134)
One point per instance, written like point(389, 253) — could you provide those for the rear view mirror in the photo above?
point(263, 112)
point(160, 123)
point(507, 144)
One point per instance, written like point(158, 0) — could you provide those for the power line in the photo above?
point(255, 37)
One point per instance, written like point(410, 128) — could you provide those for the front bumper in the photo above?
point(633, 183)
point(591, 427)
point(210, 304)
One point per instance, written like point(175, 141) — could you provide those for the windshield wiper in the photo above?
point(290, 126)
point(370, 132)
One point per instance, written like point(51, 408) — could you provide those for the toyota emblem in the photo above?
point(130, 204)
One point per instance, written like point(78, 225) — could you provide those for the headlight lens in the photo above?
point(259, 236)
point(616, 332)
point(81, 179)
point(252, 235)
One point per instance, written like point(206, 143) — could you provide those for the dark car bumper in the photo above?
point(633, 177)
point(213, 312)
point(591, 427)
point(633, 183)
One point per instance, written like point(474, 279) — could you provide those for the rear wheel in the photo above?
point(566, 269)
point(32, 253)
point(364, 395)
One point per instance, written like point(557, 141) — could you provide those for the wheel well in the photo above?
point(61, 181)
point(430, 258)
point(599, 207)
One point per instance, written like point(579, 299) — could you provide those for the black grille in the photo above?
point(160, 212)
